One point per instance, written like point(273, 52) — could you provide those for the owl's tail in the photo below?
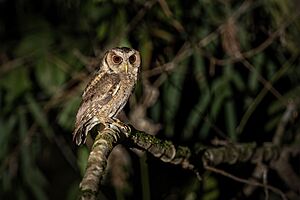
point(80, 132)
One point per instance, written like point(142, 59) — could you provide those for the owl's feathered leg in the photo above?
point(80, 135)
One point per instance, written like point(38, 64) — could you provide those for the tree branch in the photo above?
point(104, 143)
point(200, 158)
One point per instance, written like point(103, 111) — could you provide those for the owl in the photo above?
point(108, 91)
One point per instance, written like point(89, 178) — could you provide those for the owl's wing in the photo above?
point(98, 93)
point(101, 87)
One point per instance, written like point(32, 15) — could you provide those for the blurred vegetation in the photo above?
point(225, 69)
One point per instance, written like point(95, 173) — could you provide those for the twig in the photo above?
point(287, 115)
point(285, 170)
point(265, 180)
point(166, 9)
point(257, 173)
point(133, 23)
point(267, 84)
point(214, 34)
point(254, 183)
point(263, 92)
point(261, 47)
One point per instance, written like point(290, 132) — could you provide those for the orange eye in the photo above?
point(132, 59)
point(117, 59)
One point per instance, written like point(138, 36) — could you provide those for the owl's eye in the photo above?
point(117, 59)
point(132, 59)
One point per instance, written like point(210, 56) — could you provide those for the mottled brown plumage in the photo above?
point(107, 93)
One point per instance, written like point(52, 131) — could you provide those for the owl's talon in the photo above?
point(126, 128)
point(121, 126)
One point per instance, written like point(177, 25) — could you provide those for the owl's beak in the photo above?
point(126, 67)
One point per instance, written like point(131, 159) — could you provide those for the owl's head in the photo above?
point(123, 60)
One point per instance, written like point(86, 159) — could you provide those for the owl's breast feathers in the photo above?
point(104, 97)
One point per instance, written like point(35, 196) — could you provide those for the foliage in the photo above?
point(226, 69)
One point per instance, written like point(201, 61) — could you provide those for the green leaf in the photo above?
point(37, 42)
point(155, 111)
point(272, 123)
point(233, 76)
point(39, 116)
point(102, 30)
point(49, 75)
point(38, 182)
point(146, 48)
point(67, 115)
point(221, 90)
point(196, 114)
point(6, 128)
point(253, 77)
point(238, 81)
point(277, 106)
point(219, 85)
point(32, 176)
point(199, 71)
point(210, 187)
point(230, 119)
point(162, 34)
point(271, 70)
point(83, 154)
point(21, 194)
point(204, 130)
point(73, 191)
point(244, 35)
point(172, 96)
point(15, 83)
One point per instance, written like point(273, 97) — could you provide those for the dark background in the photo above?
point(211, 69)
